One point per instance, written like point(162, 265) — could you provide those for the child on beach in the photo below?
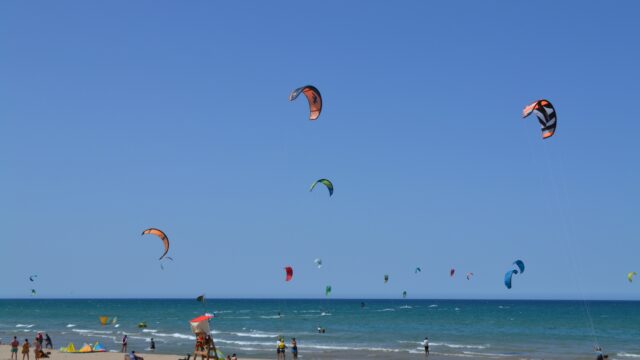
point(14, 348)
point(25, 349)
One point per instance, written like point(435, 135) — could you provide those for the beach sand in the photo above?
point(5, 351)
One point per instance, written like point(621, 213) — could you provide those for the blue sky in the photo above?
point(118, 116)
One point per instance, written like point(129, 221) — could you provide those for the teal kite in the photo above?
point(327, 290)
point(326, 183)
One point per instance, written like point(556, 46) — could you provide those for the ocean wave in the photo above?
point(241, 342)
point(405, 307)
point(25, 325)
point(255, 334)
point(325, 314)
point(271, 316)
point(71, 325)
point(460, 346)
point(85, 331)
point(629, 355)
point(177, 335)
point(237, 317)
point(433, 306)
point(149, 330)
point(350, 348)
point(388, 309)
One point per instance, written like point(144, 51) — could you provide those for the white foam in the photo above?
point(149, 330)
point(460, 346)
point(71, 325)
point(433, 306)
point(177, 335)
point(629, 355)
point(25, 325)
point(271, 317)
point(386, 310)
point(255, 334)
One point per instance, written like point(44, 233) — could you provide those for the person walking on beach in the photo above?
point(294, 348)
point(152, 347)
point(25, 349)
point(14, 347)
point(48, 344)
point(425, 343)
point(133, 356)
point(124, 344)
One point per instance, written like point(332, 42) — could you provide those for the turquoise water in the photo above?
point(381, 329)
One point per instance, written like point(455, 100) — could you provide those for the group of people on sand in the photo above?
point(281, 348)
point(26, 346)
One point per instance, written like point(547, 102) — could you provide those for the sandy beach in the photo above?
point(57, 355)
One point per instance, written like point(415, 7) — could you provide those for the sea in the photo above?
point(354, 329)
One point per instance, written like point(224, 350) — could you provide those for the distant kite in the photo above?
point(325, 182)
point(327, 290)
point(404, 294)
point(469, 275)
point(452, 272)
point(200, 299)
point(318, 263)
point(32, 278)
point(289, 273)
point(33, 292)
point(417, 270)
point(508, 276)
point(386, 279)
point(631, 275)
point(313, 96)
point(520, 265)
point(165, 240)
point(546, 114)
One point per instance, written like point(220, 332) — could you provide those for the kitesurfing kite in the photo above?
point(327, 290)
point(200, 298)
point(165, 240)
point(326, 183)
point(386, 279)
point(508, 276)
point(631, 275)
point(32, 278)
point(404, 294)
point(313, 96)
point(520, 265)
point(469, 275)
point(318, 263)
point(289, 272)
point(33, 292)
point(142, 325)
point(104, 320)
point(452, 272)
point(546, 114)
point(417, 270)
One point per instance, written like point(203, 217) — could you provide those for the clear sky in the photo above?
point(117, 116)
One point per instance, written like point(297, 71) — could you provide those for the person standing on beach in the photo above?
point(48, 344)
point(37, 349)
point(425, 343)
point(124, 344)
point(14, 347)
point(152, 347)
point(281, 348)
point(294, 348)
point(25, 349)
